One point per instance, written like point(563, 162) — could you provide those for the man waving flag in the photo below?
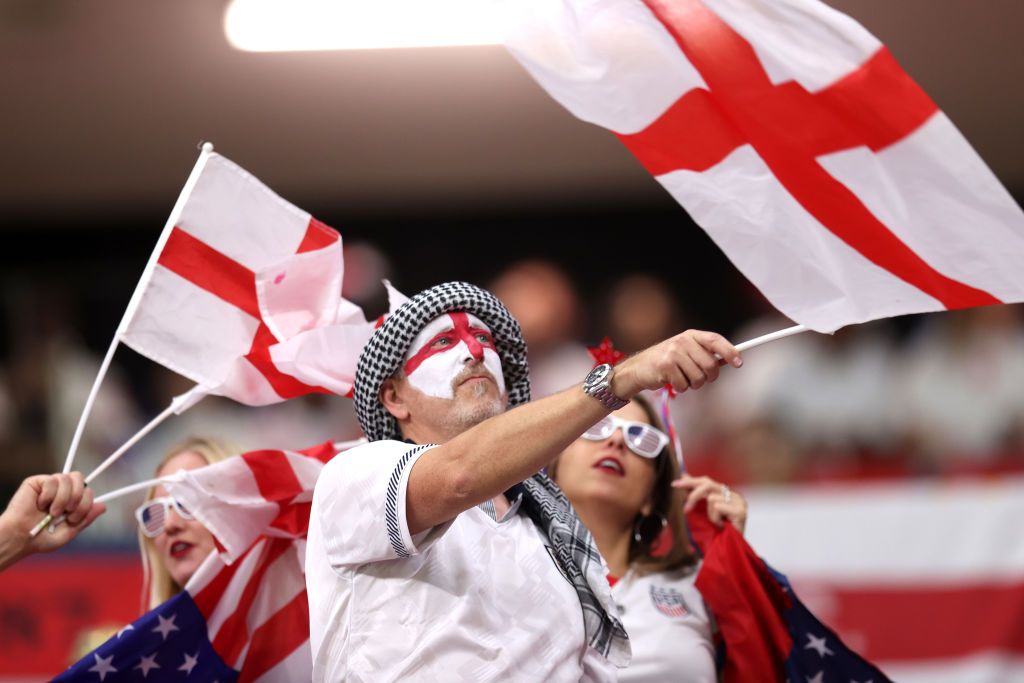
point(793, 137)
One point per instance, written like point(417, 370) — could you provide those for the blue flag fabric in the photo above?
point(168, 643)
point(818, 655)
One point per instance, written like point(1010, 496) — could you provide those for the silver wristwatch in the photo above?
point(599, 385)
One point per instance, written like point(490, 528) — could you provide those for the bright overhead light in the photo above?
point(286, 25)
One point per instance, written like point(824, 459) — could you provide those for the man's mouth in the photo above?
point(180, 549)
point(611, 466)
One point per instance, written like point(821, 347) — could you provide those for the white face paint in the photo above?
point(443, 350)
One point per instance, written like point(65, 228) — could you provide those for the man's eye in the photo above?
point(443, 341)
point(483, 338)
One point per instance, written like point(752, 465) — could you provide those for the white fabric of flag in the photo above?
point(792, 136)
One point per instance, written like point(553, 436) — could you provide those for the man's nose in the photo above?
point(475, 348)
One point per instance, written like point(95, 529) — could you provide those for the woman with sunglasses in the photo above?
point(623, 479)
point(172, 542)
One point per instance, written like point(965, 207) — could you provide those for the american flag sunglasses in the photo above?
point(152, 515)
point(640, 437)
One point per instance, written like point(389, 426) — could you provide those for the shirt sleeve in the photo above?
point(360, 503)
point(597, 669)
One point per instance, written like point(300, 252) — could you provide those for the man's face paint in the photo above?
point(444, 348)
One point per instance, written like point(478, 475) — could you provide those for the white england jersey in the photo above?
point(475, 599)
point(668, 626)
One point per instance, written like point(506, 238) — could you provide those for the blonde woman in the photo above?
point(172, 542)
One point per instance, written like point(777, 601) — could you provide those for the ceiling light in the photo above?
point(274, 25)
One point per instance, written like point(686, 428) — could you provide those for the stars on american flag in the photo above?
point(818, 645)
point(166, 626)
point(103, 666)
point(190, 663)
point(147, 664)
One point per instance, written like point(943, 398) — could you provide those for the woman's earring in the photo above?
point(648, 528)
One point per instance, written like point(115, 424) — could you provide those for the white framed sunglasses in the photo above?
point(643, 439)
point(152, 515)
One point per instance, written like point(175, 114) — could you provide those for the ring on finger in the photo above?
point(726, 493)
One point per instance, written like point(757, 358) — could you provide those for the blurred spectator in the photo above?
point(547, 306)
point(962, 385)
point(642, 311)
point(365, 267)
point(812, 393)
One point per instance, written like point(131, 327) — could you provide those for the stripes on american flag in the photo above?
point(256, 608)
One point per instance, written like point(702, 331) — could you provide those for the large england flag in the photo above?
point(792, 136)
point(924, 578)
point(244, 294)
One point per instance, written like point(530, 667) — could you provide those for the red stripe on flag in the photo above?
point(888, 623)
point(277, 638)
point(318, 235)
point(746, 601)
point(789, 127)
point(294, 519)
point(863, 101)
point(283, 385)
point(208, 597)
point(322, 452)
point(666, 145)
point(274, 475)
point(233, 635)
point(208, 269)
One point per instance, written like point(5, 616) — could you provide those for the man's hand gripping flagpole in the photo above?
point(181, 403)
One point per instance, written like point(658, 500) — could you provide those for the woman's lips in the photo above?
point(179, 549)
point(610, 466)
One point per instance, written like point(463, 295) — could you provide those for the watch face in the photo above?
point(597, 374)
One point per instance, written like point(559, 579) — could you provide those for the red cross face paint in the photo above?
point(443, 350)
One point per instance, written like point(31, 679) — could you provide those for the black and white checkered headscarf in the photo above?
point(543, 501)
point(384, 354)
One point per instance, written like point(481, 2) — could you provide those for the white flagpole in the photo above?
point(764, 339)
point(125, 490)
point(179, 405)
point(133, 303)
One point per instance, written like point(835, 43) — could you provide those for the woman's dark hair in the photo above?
point(667, 503)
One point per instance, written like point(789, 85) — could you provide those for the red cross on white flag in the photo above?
point(792, 136)
point(244, 296)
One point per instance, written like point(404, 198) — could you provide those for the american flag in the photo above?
point(768, 634)
point(244, 615)
point(922, 576)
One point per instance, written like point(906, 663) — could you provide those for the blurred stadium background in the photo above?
point(884, 463)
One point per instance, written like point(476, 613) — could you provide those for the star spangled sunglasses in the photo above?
point(640, 437)
point(152, 515)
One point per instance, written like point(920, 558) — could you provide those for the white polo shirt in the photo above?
point(668, 626)
point(475, 599)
